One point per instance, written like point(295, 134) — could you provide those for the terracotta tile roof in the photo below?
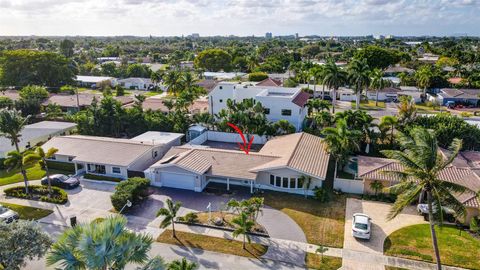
point(455, 80)
point(301, 152)
point(269, 82)
point(84, 100)
point(301, 98)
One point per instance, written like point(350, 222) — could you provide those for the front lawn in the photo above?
point(370, 105)
point(314, 261)
point(33, 173)
point(322, 223)
point(216, 244)
point(28, 212)
point(457, 248)
point(424, 109)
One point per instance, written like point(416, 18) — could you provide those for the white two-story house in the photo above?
point(279, 102)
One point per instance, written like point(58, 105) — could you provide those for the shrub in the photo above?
point(102, 177)
point(120, 90)
point(320, 194)
point(133, 189)
point(38, 193)
point(68, 89)
point(190, 218)
point(257, 76)
point(474, 225)
point(61, 166)
point(465, 114)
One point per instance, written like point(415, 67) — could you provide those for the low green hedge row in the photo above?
point(61, 166)
point(38, 193)
point(133, 189)
point(102, 177)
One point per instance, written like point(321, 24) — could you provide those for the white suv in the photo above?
point(361, 226)
point(7, 215)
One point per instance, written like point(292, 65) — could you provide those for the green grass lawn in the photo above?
point(370, 105)
point(27, 212)
point(314, 261)
point(216, 244)
point(322, 223)
point(424, 109)
point(457, 248)
point(33, 173)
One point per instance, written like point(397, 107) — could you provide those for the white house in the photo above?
point(392, 93)
point(35, 134)
point(285, 163)
point(279, 102)
point(136, 83)
point(92, 81)
point(113, 157)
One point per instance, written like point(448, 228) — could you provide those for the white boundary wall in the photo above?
point(349, 185)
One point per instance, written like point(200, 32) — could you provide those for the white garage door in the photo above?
point(175, 180)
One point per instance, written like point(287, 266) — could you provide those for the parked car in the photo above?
point(361, 226)
point(62, 181)
point(7, 215)
point(448, 214)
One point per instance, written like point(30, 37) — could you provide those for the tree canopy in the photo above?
point(214, 60)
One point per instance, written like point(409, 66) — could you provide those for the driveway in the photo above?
point(381, 228)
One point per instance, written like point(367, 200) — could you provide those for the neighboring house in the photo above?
point(393, 93)
point(470, 96)
point(221, 76)
point(92, 81)
point(269, 82)
point(429, 58)
point(71, 103)
point(279, 102)
point(395, 70)
point(114, 157)
point(136, 83)
point(279, 165)
point(208, 85)
point(156, 104)
point(372, 169)
point(35, 134)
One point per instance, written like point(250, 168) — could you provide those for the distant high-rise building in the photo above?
point(296, 35)
point(268, 35)
point(195, 35)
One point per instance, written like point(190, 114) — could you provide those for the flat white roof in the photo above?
point(157, 137)
point(93, 79)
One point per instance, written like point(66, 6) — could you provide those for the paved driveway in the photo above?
point(381, 228)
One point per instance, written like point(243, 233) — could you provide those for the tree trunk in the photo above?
point(244, 246)
point(22, 169)
point(432, 230)
point(335, 171)
point(173, 228)
point(334, 98)
point(323, 91)
point(357, 101)
point(376, 98)
point(315, 91)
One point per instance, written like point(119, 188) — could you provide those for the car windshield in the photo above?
point(361, 226)
point(63, 178)
point(3, 209)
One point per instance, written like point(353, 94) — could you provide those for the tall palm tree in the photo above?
point(244, 226)
point(173, 82)
point(252, 62)
point(424, 79)
point(389, 122)
point(11, 125)
point(378, 83)
point(169, 213)
point(334, 78)
point(422, 163)
point(43, 156)
point(183, 264)
point(20, 161)
point(359, 78)
point(100, 245)
point(316, 73)
point(341, 141)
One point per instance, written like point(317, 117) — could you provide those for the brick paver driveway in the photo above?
point(381, 228)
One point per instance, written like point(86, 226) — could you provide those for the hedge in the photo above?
point(133, 189)
point(38, 193)
point(61, 166)
point(257, 76)
point(102, 177)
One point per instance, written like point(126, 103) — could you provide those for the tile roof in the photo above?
point(84, 99)
point(301, 98)
point(460, 93)
point(269, 82)
point(303, 152)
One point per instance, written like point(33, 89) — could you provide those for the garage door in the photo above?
point(175, 180)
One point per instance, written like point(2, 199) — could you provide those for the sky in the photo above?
point(239, 17)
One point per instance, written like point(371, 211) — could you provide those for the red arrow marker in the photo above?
point(245, 147)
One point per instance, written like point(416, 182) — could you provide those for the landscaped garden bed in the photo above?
point(89, 176)
point(218, 220)
point(457, 247)
point(38, 193)
point(216, 244)
point(28, 212)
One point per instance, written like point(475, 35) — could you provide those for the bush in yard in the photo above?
point(474, 225)
point(102, 177)
point(190, 218)
point(133, 189)
point(320, 194)
point(257, 76)
point(38, 193)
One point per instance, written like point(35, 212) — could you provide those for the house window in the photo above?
point(293, 182)
point(287, 112)
point(155, 154)
point(278, 181)
point(116, 170)
point(286, 182)
point(70, 158)
point(53, 157)
point(300, 183)
point(267, 111)
point(272, 180)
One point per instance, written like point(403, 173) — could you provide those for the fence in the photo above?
point(348, 185)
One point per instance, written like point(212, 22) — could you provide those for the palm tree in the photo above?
point(100, 245)
point(11, 125)
point(389, 122)
point(359, 78)
point(18, 161)
point(283, 127)
point(173, 82)
point(376, 186)
point(341, 141)
point(170, 213)
point(252, 62)
point(422, 163)
point(182, 265)
point(244, 226)
point(378, 83)
point(317, 74)
point(43, 156)
point(334, 77)
point(424, 79)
